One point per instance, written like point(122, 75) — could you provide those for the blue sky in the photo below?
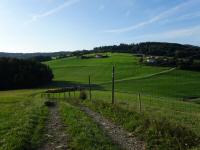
point(60, 25)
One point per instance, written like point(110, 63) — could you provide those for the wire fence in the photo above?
point(174, 109)
point(179, 112)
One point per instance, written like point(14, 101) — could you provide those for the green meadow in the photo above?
point(130, 75)
point(165, 93)
point(77, 70)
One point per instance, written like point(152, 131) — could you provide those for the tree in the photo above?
point(18, 73)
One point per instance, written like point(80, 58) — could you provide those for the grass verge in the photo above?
point(22, 121)
point(29, 134)
point(158, 133)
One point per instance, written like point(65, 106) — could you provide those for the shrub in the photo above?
point(49, 103)
point(83, 95)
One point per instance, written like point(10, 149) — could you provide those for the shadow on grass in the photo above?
point(62, 84)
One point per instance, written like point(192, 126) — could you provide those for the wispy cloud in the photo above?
point(155, 19)
point(173, 34)
point(101, 7)
point(128, 12)
point(189, 16)
point(51, 11)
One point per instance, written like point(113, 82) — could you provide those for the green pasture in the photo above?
point(130, 76)
point(77, 70)
point(173, 95)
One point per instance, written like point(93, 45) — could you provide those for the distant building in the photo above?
point(53, 58)
point(98, 56)
point(150, 59)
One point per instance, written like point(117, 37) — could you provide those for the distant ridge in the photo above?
point(30, 55)
point(144, 48)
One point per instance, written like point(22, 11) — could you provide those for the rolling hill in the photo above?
point(159, 114)
point(130, 75)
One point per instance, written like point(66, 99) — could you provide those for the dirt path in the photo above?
point(141, 77)
point(120, 136)
point(55, 136)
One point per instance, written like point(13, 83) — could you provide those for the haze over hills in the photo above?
point(151, 48)
point(30, 55)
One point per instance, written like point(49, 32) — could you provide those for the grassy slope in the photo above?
point(177, 83)
point(22, 119)
point(20, 110)
point(77, 70)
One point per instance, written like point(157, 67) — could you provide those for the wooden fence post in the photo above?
point(90, 89)
point(113, 84)
point(140, 102)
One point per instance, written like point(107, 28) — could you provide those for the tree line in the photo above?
point(41, 58)
point(18, 73)
point(170, 54)
point(154, 49)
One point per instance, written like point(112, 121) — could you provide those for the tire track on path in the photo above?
point(123, 138)
point(55, 136)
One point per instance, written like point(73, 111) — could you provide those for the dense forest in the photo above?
point(41, 58)
point(18, 73)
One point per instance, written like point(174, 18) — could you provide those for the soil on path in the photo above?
point(55, 136)
point(123, 138)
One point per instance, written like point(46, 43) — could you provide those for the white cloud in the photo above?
point(159, 17)
point(52, 11)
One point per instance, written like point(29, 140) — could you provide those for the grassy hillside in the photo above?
point(135, 77)
point(178, 83)
point(77, 70)
point(23, 114)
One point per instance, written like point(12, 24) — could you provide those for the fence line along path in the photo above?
point(123, 138)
